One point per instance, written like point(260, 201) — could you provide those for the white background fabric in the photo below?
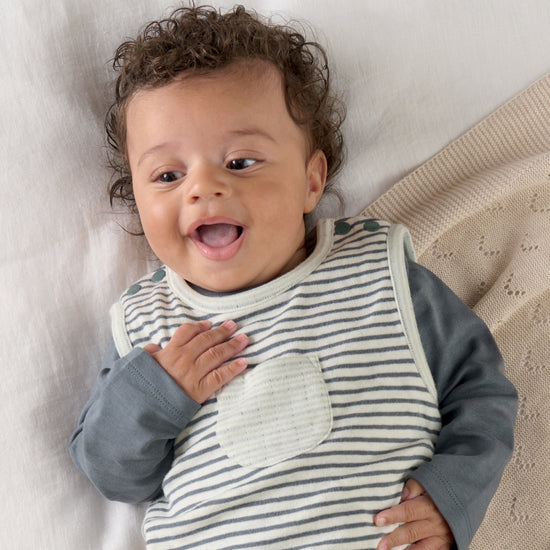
point(415, 76)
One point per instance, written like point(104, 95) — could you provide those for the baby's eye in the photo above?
point(240, 164)
point(170, 177)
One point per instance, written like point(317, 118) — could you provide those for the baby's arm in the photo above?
point(124, 439)
point(477, 403)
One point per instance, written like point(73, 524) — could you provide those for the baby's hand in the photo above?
point(422, 522)
point(196, 357)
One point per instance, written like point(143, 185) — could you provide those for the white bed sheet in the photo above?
point(415, 75)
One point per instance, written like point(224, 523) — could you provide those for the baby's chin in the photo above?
point(232, 278)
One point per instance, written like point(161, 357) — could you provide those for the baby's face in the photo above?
point(222, 178)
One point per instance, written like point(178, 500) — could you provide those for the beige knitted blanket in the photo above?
point(479, 214)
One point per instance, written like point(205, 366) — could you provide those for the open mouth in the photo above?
point(218, 241)
point(219, 235)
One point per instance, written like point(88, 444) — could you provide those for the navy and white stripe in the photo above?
point(337, 450)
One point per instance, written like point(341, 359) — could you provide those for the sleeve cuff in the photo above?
point(159, 386)
point(447, 502)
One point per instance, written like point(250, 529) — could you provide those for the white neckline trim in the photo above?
point(262, 293)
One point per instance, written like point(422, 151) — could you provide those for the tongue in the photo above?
point(218, 235)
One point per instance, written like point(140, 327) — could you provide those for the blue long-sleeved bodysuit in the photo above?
point(124, 440)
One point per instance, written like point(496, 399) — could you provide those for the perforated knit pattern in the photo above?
point(479, 215)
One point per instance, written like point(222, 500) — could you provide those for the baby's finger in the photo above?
point(412, 489)
point(217, 378)
point(410, 510)
point(433, 543)
point(187, 331)
point(217, 355)
point(408, 533)
point(401, 537)
point(151, 349)
point(208, 339)
point(420, 520)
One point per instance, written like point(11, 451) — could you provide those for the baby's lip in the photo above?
point(220, 249)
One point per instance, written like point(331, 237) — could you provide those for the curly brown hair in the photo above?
point(203, 39)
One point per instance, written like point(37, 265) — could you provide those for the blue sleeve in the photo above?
point(478, 406)
point(124, 439)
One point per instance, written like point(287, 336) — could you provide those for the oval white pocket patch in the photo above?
point(275, 411)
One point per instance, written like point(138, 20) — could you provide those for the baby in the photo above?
point(264, 389)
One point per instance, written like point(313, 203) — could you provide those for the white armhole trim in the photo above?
point(399, 246)
point(118, 328)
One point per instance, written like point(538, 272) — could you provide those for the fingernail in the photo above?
point(243, 338)
point(380, 522)
point(204, 325)
point(242, 363)
point(230, 325)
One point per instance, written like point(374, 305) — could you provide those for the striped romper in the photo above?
point(337, 407)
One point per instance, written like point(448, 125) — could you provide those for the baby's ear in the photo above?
point(316, 178)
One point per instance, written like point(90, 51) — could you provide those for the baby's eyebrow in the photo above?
point(152, 151)
point(252, 131)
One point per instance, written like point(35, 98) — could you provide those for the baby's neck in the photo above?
point(212, 293)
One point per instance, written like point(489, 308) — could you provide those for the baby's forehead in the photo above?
point(246, 76)
point(243, 73)
point(237, 103)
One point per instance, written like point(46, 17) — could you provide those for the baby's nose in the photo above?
point(207, 183)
